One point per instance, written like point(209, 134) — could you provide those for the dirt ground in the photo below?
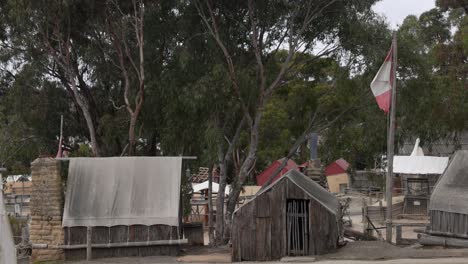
point(353, 253)
point(355, 209)
point(377, 250)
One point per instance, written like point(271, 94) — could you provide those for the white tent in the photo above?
point(7, 247)
point(417, 163)
point(417, 150)
point(214, 187)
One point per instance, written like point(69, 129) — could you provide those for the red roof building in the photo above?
point(262, 178)
point(337, 167)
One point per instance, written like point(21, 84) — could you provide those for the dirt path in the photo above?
point(354, 252)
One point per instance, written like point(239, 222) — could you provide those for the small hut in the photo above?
point(294, 216)
point(448, 207)
point(337, 176)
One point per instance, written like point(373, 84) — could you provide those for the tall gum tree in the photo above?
point(265, 28)
point(126, 31)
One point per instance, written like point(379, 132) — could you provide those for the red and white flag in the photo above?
point(381, 86)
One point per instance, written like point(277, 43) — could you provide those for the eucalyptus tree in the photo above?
point(251, 37)
point(433, 72)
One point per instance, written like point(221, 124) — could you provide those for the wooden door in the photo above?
point(297, 225)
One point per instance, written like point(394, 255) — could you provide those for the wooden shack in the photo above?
point(294, 216)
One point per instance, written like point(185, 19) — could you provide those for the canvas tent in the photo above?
point(214, 187)
point(448, 207)
point(7, 247)
point(419, 164)
point(130, 205)
point(418, 174)
point(123, 191)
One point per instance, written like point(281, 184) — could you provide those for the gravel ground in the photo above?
point(400, 261)
point(353, 253)
point(377, 250)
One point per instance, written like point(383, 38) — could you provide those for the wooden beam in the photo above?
point(114, 245)
point(429, 240)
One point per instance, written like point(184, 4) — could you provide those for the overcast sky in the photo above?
point(397, 10)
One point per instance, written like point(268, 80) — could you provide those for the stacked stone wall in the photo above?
point(46, 210)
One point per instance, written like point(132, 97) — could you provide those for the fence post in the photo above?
point(364, 210)
point(365, 223)
point(382, 216)
point(398, 235)
point(88, 244)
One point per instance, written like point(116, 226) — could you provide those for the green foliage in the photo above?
point(190, 107)
point(186, 195)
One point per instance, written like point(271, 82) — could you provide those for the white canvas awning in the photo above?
point(123, 191)
point(419, 164)
point(214, 187)
point(7, 247)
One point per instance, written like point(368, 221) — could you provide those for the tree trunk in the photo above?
point(92, 131)
point(223, 160)
point(131, 134)
point(83, 103)
point(243, 172)
point(220, 238)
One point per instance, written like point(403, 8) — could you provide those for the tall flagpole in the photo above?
point(391, 143)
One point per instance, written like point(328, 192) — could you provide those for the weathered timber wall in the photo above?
point(448, 224)
point(46, 209)
point(121, 234)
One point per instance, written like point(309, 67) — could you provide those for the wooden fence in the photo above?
point(377, 213)
point(118, 241)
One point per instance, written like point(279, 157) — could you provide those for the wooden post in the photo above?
point(364, 210)
point(390, 144)
point(399, 233)
point(210, 207)
point(382, 216)
point(365, 224)
point(88, 244)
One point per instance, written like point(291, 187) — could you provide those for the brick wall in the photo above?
point(46, 209)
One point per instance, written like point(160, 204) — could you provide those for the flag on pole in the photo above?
point(381, 86)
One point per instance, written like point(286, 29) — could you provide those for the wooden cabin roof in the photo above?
point(313, 189)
